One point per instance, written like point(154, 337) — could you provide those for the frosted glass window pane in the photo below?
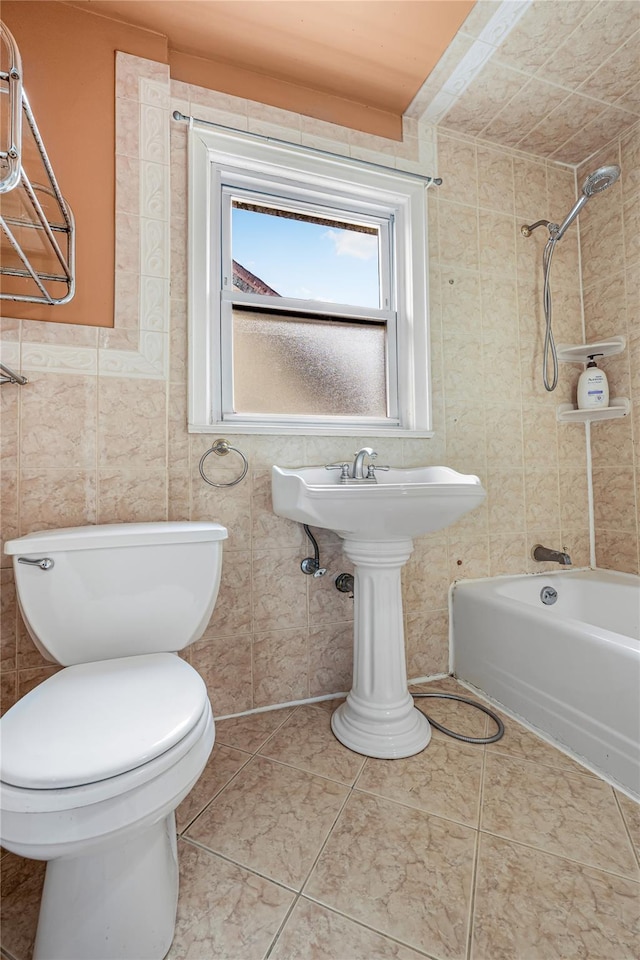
point(287, 365)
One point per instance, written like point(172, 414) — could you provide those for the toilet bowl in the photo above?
point(97, 758)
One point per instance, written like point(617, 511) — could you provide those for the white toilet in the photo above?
point(96, 759)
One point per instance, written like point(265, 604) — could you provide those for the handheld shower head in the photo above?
point(600, 179)
point(596, 182)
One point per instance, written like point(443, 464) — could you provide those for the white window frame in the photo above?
point(218, 157)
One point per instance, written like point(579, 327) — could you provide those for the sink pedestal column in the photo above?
point(378, 718)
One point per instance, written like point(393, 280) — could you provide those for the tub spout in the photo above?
point(541, 554)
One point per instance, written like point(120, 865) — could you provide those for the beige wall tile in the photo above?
point(8, 690)
point(58, 421)
point(28, 679)
point(232, 613)
point(270, 532)
point(458, 159)
point(132, 426)
point(326, 603)
point(506, 501)
point(507, 555)
point(331, 657)
point(458, 235)
point(616, 551)
point(279, 591)
point(427, 643)
point(497, 243)
point(280, 667)
point(425, 578)
point(224, 663)
point(577, 542)
point(468, 557)
point(530, 180)
point(614, 498)
point(8, 511)
point(131, 496)
point(612, 447)
point(56, 498)
point(8, 622)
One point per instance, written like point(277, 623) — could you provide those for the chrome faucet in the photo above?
point(541, 554)
point(358, 463)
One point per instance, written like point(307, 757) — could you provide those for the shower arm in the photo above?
point(527, 228)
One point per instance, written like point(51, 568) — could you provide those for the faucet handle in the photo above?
point(343, 467)
point(371, 470)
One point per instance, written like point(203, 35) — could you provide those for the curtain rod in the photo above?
point(430, 181)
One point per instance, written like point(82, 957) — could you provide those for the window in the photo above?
point(307, 292)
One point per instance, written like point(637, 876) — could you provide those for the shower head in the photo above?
point(596, 182)
point(600, 179)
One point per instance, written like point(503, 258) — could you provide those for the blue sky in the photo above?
point(308, 261)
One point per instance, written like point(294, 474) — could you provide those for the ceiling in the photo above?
point(375, 53)
point(554, 78)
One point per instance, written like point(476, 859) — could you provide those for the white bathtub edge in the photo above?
point(547, 739)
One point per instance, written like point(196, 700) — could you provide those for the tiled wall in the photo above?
point(610, 244)
point(99, 433)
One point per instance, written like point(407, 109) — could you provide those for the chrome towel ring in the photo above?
point(221, 448)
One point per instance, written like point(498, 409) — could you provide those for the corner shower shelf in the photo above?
point(580, 353)
point(618, 407)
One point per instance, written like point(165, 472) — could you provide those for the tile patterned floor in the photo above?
point(294, 848)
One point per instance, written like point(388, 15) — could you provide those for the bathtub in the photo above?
point(570, 669)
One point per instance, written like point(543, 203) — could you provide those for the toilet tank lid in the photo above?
point(100, 536)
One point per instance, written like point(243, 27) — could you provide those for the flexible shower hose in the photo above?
point(461, 736)
point(549, 343)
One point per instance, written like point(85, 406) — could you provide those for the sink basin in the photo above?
point(403, 503)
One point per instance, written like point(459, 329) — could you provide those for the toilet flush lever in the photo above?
point(46, 563)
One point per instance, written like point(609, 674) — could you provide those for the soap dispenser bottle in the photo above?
point(593, 387)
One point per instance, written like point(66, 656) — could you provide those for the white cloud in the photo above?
point(348, 243)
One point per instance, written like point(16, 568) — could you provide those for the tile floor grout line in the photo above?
point(560, 856)
point(180, 833)
point(636, 853)
point(309, 773)
point(241, 866)
point(280, 929)
point(476, 857)
point(408, 806)
point(7, 955)
point(326, 839)
point(265, 713)
point(572, 773)
point(365, 926)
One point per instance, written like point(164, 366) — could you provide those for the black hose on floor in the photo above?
point(473, 703)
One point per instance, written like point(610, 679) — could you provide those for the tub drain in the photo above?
point(473, 703)
point(548, 595)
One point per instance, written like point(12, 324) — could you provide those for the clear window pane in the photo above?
point(288, 365)
point(288, 253)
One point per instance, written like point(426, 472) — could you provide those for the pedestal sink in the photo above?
point(376, 521)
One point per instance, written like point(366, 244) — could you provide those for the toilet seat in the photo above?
point(45, 824)
point(94, 722)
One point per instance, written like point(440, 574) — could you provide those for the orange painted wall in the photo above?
point(68, 59)
point(239, 82)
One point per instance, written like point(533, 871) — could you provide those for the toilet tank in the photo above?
point(117, 589)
